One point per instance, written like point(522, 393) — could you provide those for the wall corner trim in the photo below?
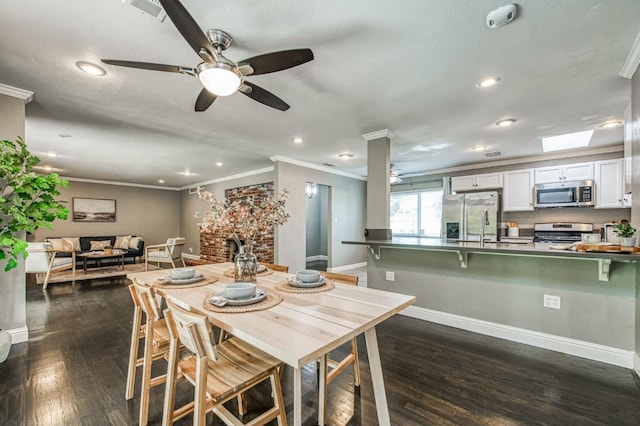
point(325, 169)
point(633, 60)
point(25, 95)
point(384, 133)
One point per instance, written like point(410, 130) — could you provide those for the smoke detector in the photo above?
point(150, 7)
point(501, 16)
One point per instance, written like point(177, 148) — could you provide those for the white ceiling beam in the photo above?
point(25, 95)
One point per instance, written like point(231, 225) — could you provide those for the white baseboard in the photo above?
point(593, 351)
point(19, 335)
point(345, 267)
point(317, 257)
point(636, 364)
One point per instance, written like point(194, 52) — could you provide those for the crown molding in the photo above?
point(325, 169)
point(109, 182)
point(232, 177)
point(25, 95)
point(633, 60)
point(384, 133)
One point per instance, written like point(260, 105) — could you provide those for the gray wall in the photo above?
point(635, 186)
point(153, 214)
point(13, 283)
point(347, 205)
point(191, 204)
point(317, 209)
point(509, 290)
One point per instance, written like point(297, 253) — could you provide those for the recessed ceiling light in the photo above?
point(297, 140)
point(186, 173)
point(345, 156)
point(90, 68)
point(64, 135)
point(506, 122)
point(610, 124)
point(51, 154)
point(479, 148)
point(160, 181)
point(488, 82)
point(219, 163)
point(568, 141)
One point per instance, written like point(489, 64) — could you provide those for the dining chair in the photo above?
point(217, 372)
point(156, 345)
point(274, 267)
point(332, 368)
point(169, 252)
point(41, 258)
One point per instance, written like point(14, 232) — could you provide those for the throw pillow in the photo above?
point(133, 242)
point(122, 242)
point(99, 245)
point(56, 243)
point(71, 244)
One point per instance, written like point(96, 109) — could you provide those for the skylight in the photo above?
point(568, 141)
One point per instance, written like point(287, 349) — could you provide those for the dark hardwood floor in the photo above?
point(73, 370)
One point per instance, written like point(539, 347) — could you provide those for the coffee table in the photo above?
point(97, 255)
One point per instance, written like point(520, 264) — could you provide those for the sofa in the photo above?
point(65, 245)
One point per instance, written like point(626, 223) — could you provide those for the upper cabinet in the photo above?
point(609, 184)
point(517, 194)
point(476, 182)
point(578, 171)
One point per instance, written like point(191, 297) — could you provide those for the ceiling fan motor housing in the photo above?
point(221, 40)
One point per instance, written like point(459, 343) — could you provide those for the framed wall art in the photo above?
point(94, 210)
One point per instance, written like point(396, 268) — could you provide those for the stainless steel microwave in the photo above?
point(565, 194)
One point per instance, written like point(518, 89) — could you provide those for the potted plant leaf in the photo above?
point(626, 233)
point(26, 199)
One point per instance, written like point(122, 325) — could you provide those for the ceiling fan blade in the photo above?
point(149, 66)
point(277, 61)
point(265, 97)
point(187, 26)
point(204, 101)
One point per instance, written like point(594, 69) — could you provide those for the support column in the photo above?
point(378, 187)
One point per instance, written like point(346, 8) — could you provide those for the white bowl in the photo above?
point(308, 276)
point(182, 274)
point(591, 238)
point(240, 290)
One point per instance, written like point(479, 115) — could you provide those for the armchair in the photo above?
point(42, 259)
point(168, 252)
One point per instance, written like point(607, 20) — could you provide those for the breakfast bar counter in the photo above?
point(581, 303)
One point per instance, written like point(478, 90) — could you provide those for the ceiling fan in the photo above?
point(221, 76)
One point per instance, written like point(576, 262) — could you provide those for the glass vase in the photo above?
point(246, 265)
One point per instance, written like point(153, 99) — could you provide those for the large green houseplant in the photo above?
point(26, 199)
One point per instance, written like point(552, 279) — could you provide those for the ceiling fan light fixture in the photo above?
point(90, 68)
point(221, 79)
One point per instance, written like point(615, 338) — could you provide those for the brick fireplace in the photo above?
point(216, 247)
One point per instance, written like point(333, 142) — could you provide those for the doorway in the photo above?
point(317, 226)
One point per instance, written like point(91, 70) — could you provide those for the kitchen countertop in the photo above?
point(532, 249)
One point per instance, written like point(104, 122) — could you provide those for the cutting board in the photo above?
point(602, 248)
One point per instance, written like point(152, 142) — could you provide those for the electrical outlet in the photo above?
point(551, 301)
point(391, 276)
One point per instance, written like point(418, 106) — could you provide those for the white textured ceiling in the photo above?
point(407, 66)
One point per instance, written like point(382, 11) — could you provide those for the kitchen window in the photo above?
point(416, 213)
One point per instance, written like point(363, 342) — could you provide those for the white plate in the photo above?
point(195, 279)
point(221, 299)
point(296, 283)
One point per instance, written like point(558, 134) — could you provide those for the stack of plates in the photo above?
point(221, 299)
point(297, 283)
point(194, 279)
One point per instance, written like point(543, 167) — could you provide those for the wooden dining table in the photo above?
point(301, 328)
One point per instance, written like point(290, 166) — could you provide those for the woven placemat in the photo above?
point(285, 287)
point(164, 284)
point(231, 273)
point(270, 301)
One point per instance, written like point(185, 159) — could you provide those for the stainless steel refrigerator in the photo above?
point(462, 216)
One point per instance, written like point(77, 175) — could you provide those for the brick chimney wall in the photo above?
point(215, 247)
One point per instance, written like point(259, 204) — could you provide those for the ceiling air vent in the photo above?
point(493, 154)
point(150, 7)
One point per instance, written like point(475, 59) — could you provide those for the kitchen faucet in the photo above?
point(483, 222)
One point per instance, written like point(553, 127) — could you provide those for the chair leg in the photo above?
point(200, 406)
point(170, 389)
point(133, 352)
point(146, 372)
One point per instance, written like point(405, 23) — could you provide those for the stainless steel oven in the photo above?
point(565, 194)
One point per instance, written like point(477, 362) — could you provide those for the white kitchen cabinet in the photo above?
point(568, 172)
point(517, 194)
point(609, 184)
point(476, 182)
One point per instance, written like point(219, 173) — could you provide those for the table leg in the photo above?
point(122, 258)
point(85, 265)
point(297, 397)
point(322, 409)
point(376, 377)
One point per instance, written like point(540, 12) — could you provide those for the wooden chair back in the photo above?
point(192, 330)
point(145, 298)
point(274, 267)
point(341, 278)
